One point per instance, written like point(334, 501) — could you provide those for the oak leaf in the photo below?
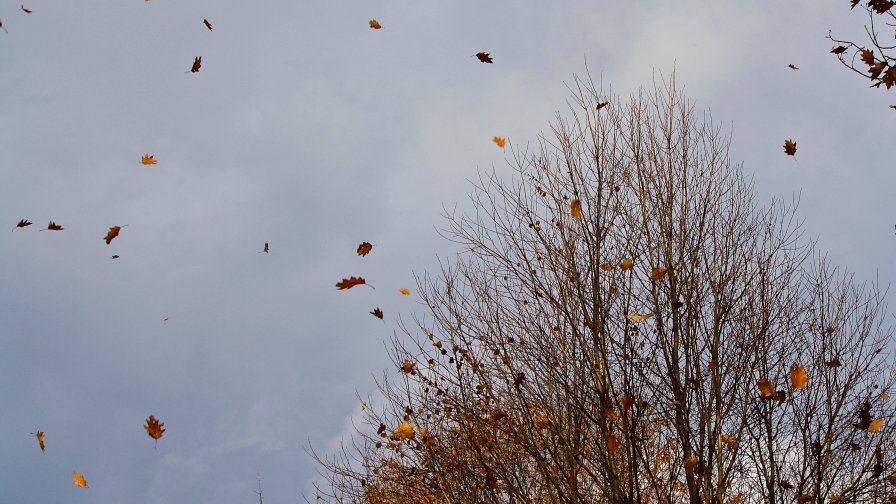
point(375, 24)
point(657, 274)
point(364, 248)
point(52, 226)
point(23, 222)
point(148, 159)
point(197, 63)
point(40, 439)
point(575, 209)
point(377, 313)
point(638, 317)
point(789, 147)
point(154, 428)
point(348, 283)
point(113, 232)
point(838, 50)
point(79, 479)
point(207, 24)
point(793, 67)
point(404, 291)
point(484, 57)
point(798, 377)
point(499, 141)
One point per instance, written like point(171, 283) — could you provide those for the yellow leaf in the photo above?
point(404, 291)
point(500, 141)
point(575, 208)
point(798, 377)
point(148, 159)
point(638, 317)
point(404, 430)
point(876, 425)
point(375, 24)
point(79, 479)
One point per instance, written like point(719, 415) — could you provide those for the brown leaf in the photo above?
point(626, 264)
point(364, 248)
point(267, 248)
point(612, 442)
point(408, 366)
point(207, 24)
point(52, 226)
point(864, 414)
point(766, 388)
point(375, 24)
point(606, 267)
point(838, 50)
point(484, 57)
point(575, 209)
point(867, 56)
point(833, 363)
point(116, 256)
point(602, 105)
point(22, 223)
point(657, 274)
point(26, 11)
point(197, 63)
point(40, 439)
point(113, 232)
point(348, 283)
point(798, 377)
point(789, 147)
point(154, 428)
point(377, 313)
point(793, 67)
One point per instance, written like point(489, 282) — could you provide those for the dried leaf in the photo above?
point(729, 441)
point(408, 366)
point(833, 363)
point(154, 428)
point(875, 425)
point(375, 24)
point(79, 479)
point(148, 159)
point(52, 226)
point(404, 430)
point(207, 24)
point(601, 105)
point(26, 11)
point(40, 439)
point(793, 67)
point(626, 264)
point(197, 63)
point(838, 50)
point(404, 291)
point(798, 377)
point(789, 147)
point(484, 57)
point(267, 248)
point(612, 442)
point(116, 256)
point(864, 415)
point(500, 141)
point(364, 248)
point(658, 274)
point(766, 388)
point(638, 317)
point(23, 223)
point(606, 267)
point(575, 209)
point(348, 283)
point(113, 232)
point(377, 313)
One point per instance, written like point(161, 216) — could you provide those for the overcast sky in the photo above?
point(309, 130)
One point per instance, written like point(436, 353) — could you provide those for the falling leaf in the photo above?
point(638, 317)
point(694, 464)
point(22, 223)
point(499, 141)
point(612, 442)
point(79, 479)
point(404, 291)
point(52, 226)
point(875, 425)
point(154, 428)
point(766, 388)
point(884, 396)
point(626, 264)
point(348, 283)
point(207, 24)
point(375, 24)
point(798, 377)
point(657, 274)
point(377, 313)
point(196, 64)
point(789, 147)
point(26, 11)
point(484, 57)
point(364, 248)
point(407, 366)
point(606, 267)
point(575, 209)
point(838, 50)
point(793, 67)
point(864, 415)
point(113, 232)
point(40, 439)
point(148, 159)
point(730, 441)
point(602, 105)
point(404, 430)
point(116, 256)
point(267, 248)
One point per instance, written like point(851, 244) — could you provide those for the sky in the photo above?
point(306, 129)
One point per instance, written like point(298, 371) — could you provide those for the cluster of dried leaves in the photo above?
point(876, 57)
point(364, 248)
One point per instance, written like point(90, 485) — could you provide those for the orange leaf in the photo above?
point(79, 479)
point(404, 291)
point(348, 283)
point(197, 63)
point(657, 274)
point(606, 267)
point(612, 442)
point(626, 264)
point(789, 147)
point(154, 428)
point(637, 317)
point(113, 232)
point(575, 209)
point(766, 388)
point(876, 425)
point(798, 377)
point(375, 24)
point(484, 57)
point(377, 313)
point(499, 141)
point(40, 439)
point(407, 366)
point(148, 159)
point(364, 248)
point(404, 430)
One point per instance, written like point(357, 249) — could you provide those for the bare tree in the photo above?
point(876, 57)
point(627, 325)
